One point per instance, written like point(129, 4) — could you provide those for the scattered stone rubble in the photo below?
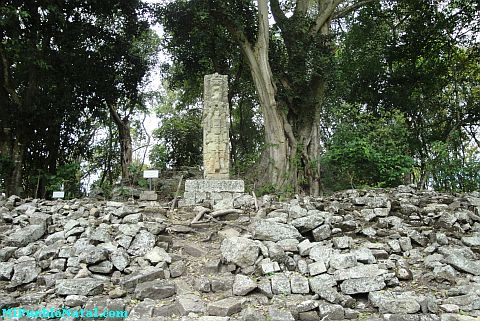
point(396, 255)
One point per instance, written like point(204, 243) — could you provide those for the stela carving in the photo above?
point(215, 122)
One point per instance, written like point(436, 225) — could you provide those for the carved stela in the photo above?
point(215, 122)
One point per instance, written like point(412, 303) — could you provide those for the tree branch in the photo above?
point(324, 16)
point(263, 30)
point(278, 14)
point(342, 12)
point(301, 8)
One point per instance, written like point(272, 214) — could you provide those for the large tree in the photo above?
point(289, 64)
point(63, 63)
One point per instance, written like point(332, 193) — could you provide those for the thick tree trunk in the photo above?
point(18, 148)
point(125, 140)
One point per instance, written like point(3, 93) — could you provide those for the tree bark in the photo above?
point(125, 140)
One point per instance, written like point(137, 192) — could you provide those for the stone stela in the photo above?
point(215, 123)
point(216, 186)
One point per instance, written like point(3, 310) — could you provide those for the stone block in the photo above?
point(214, 185)
point(280, 284)
point(299, 284)
point(225, 307)
point(148, 196)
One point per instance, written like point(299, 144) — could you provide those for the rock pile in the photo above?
point(399, 255)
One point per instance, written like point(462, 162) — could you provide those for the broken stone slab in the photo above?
point(158, 254)
point(24, 271)
point(471, 241)
point(317, 268)
point(322, 232)
point(359, 271)
point(225, 307)
point(214, 185)
point(273, 231)
point(330, 311)
point(240, 251)
point(309, 222)
point(342, 242)
point(363, 285)
point(81, 286)
point(342, 261)
point(364, 255)
point(243, 285)
point(321, 253)
point(150, 273)
point(193, 250)
point(277, 314)
point(280, 284)
point(104, 267)
point(25, 236)
point(189, 303)
point(462, 263)
point(299, 284)
point(120, 259)
point(320, 282)
point(156, 290)
point(143, 243)
point(395, 302)
point(269, 267)
point(6, 270)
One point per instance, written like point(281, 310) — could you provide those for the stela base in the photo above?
point(148, 196)
point(214, 191)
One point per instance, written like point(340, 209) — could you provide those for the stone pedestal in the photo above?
point(216, 187)
point(148, 196)
point(212, 190)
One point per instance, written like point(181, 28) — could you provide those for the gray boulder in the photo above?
point(25, 272)
point(81, 286)
point(25, 236)
point(143, 243)
point(157, 290)
point(274, 231)
point(239, 250)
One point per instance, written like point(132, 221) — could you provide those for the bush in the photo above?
point(367, 152)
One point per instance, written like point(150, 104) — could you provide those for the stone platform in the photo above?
point(212, 190)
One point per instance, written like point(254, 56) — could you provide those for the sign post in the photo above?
point(59, 194)
point(152, 173)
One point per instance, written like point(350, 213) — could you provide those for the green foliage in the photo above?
point(455, 169)
point(365, 151)
point(180, 138)
point(67, 176)
point(136, 175)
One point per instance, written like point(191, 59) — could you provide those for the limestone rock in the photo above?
point(25, 236)
point(462, 263)
point(240, 251)
point(187, 303)
point(25, 272)
point(280, 284)
point(273, 231)
point(309, 222)
point(157, 290)
point(243, 285)
point(362, 285)
point(225, 307)
point(86, 286)
point(143, 243)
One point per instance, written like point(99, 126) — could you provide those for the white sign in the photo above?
point(150, 173)
point(58, 194)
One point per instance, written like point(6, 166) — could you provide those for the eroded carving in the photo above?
point(216, 148)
